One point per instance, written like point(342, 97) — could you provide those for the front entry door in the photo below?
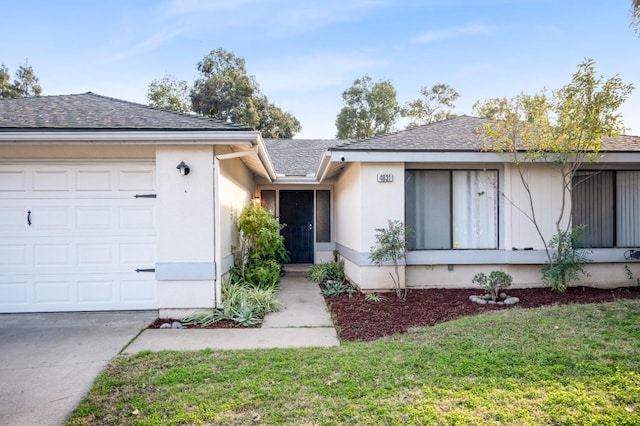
point(296, 210)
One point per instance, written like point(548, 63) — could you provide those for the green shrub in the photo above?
point(242, 304)
point(494, 283)
point(374, 297)
point(568, 260)
point(323, 272)
point(334, 288)
point(262, 252)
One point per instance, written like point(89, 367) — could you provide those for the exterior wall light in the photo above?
point(183, 169)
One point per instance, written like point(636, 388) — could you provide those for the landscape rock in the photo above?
point(176, 324)
point(165, 325)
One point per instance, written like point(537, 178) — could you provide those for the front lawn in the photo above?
point(573, 364)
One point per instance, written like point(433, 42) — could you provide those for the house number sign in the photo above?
point(385, 177)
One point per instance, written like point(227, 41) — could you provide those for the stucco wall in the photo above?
point(607, 275)
point(236, 190)
point(185, 267)
point(348, 207)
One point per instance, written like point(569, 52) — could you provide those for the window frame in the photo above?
point(498, 211)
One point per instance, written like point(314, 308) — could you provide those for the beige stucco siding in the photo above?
point(348, 202)
point(85, 151)
point(236, 188)
point(381, 201)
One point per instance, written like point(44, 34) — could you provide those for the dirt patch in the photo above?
point(359, 319)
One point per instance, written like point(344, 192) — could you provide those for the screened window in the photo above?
point(607, 202)
point(268, 201)
point(323, 216)
point(452, 209)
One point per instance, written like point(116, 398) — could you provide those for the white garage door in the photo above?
point(72, 236)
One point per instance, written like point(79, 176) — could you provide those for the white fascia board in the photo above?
point(323, 168)
point(263, 155)
point(141, 137)
point(418, 157)
point(618, 157)
point(296, 180)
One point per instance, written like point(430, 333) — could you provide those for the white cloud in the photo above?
point(455, 32)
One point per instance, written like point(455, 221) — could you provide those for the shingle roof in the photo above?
point(298, 157)
point(623, 143)
point(89, 111)
point(457, 134)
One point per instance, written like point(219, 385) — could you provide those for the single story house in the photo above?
point(112, 205)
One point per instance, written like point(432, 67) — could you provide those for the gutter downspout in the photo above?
point(217, 222)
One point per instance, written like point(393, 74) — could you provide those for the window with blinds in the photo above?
point(606, 203)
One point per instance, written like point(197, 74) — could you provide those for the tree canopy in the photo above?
point(563, 131)
point(24, 84)
point(635, 15)
point(370, 109)
point(436, 103)
point(169, 93)
point(226, 92)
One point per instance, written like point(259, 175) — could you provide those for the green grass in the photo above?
point(575, 364)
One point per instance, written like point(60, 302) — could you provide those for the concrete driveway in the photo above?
point(48, 361)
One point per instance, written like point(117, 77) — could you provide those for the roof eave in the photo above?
point(150, 137)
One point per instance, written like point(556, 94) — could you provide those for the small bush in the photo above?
point(374, 297)
point(334, 288)
point(568, 260)
point(494, 283)
point(324, 272)
point(243, 304)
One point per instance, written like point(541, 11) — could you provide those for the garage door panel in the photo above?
point(13, 181)
point(134, 291)
point(94, 180)
point(50, 218)
point(12, 218)
point(13, 254)
point(88, 235)
point(94, 218)
point(136, 180)
point(51, 255)
point(53, 292)
point(94, 254)
point(14, 294)
point(51, 180)
point(96, 291)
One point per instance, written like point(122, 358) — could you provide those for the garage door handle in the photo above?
point(29, 217)
point(146, 270)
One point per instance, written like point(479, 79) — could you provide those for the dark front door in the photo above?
point(296, 210)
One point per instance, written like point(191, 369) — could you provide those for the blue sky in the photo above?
point(304, 53)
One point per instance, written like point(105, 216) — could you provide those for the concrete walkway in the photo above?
point(302, 322)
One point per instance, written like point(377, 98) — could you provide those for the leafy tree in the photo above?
point(563, 131)
point(635, 15)
point(436, 103)
point(369, 109)
point(169, 93)
point(24, 84)
point(226, 92)
point(274, 122)
point(490, 108)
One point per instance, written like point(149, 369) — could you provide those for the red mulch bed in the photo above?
point(358, 319)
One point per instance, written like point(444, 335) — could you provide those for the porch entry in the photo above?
point(296, 210)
